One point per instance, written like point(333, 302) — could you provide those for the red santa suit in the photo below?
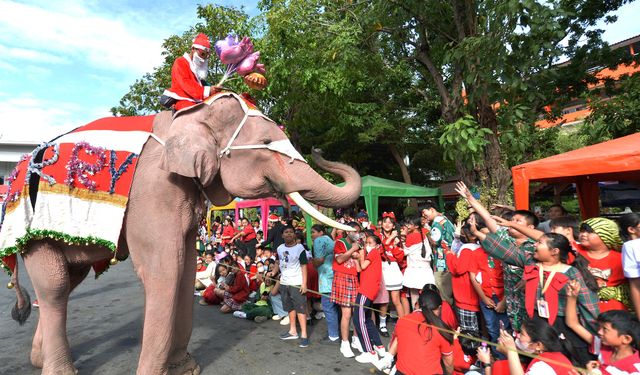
point(186, 87)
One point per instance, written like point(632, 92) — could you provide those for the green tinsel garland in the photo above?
point(41, 234)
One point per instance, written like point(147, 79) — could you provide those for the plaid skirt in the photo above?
point(344, 289)
point(229, 301)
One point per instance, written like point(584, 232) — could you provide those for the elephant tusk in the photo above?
point(308, 208)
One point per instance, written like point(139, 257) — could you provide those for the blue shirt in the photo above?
point(323, 248)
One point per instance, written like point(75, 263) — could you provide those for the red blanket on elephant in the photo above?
point(75, 188)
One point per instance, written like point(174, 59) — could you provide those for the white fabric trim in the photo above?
point(53, 211)
point(16, 222)
point(200, 46)
point(109, 139)
point(207, 91)
point(172, 94)
point(540, 368)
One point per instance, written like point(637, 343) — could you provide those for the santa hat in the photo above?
point(274, 217)
point(201, 42)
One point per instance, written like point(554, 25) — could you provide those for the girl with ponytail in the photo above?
point(420, 342)
point(418, 253)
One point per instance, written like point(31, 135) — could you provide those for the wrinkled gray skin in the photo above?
point(160, 228)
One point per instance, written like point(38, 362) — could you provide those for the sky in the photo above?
point(65, 63)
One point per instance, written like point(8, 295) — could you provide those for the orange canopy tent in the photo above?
point(618, 159)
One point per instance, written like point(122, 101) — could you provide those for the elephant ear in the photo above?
point(190, 149)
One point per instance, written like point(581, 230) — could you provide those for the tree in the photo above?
point(332, 86)
point(216, 21)
point(615, 117)
point(492, 64)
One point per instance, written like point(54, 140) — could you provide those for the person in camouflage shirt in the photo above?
point(513, 285)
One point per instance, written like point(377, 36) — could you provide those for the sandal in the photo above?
point(383, 331)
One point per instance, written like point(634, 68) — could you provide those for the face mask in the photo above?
point(260, 269)
point(354, 236)
point(369, 248)
point(523, 347)
point(197, 59)
point(365, 224)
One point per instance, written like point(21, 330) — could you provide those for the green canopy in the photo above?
point(375, 187)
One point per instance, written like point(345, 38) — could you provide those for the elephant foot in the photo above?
point(186, 366)
point(36, 358)
point(66, 370)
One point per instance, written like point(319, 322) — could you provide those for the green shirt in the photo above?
point(442, 233)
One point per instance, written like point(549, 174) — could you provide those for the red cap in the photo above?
point(274, 217)
point(201, 42)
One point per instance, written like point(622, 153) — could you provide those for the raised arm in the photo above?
point(464, 192)
point(571, 312)
point(532, 233)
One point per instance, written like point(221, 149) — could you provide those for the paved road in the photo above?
point(105, 325)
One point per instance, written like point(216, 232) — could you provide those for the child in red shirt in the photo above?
point(370, 264)
point(461, 266)
point(419, 344)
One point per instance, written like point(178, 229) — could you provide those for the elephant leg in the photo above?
point(160, 270)
point(181, 362)
point(76, 275)
point(49, 274)
point(36, 347)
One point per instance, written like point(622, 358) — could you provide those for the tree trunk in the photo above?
point(406, 177)
point(493, 172)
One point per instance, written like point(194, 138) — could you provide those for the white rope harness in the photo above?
point(282, 146)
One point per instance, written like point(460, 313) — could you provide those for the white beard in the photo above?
point(201, 66)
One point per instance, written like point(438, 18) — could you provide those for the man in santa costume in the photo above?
point(188, 74)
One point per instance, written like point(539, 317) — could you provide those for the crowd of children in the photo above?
point(489, 295)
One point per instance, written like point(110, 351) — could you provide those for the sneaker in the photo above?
point(385, 363)
point(288, 336)
point(327, 341)
point(345, 350)
point(240, 314)
point(201, 302)
point(380, 350)
point(35, 303)
point(304, 342)
point(260, 319)
point(319, 315)
point(276, 317)
point(355, 343)
point(367, 357)
point(284, 321)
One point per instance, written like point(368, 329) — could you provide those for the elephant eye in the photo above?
point(266, 141)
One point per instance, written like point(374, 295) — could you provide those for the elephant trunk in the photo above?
point(316, 189)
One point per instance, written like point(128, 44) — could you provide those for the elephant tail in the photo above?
point(22, 309)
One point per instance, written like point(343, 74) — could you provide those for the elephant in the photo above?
point(228, 154)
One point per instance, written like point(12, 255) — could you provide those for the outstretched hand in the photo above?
point(506, 341)
point(463, 190)
point(501, 221)
point(458, 230)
